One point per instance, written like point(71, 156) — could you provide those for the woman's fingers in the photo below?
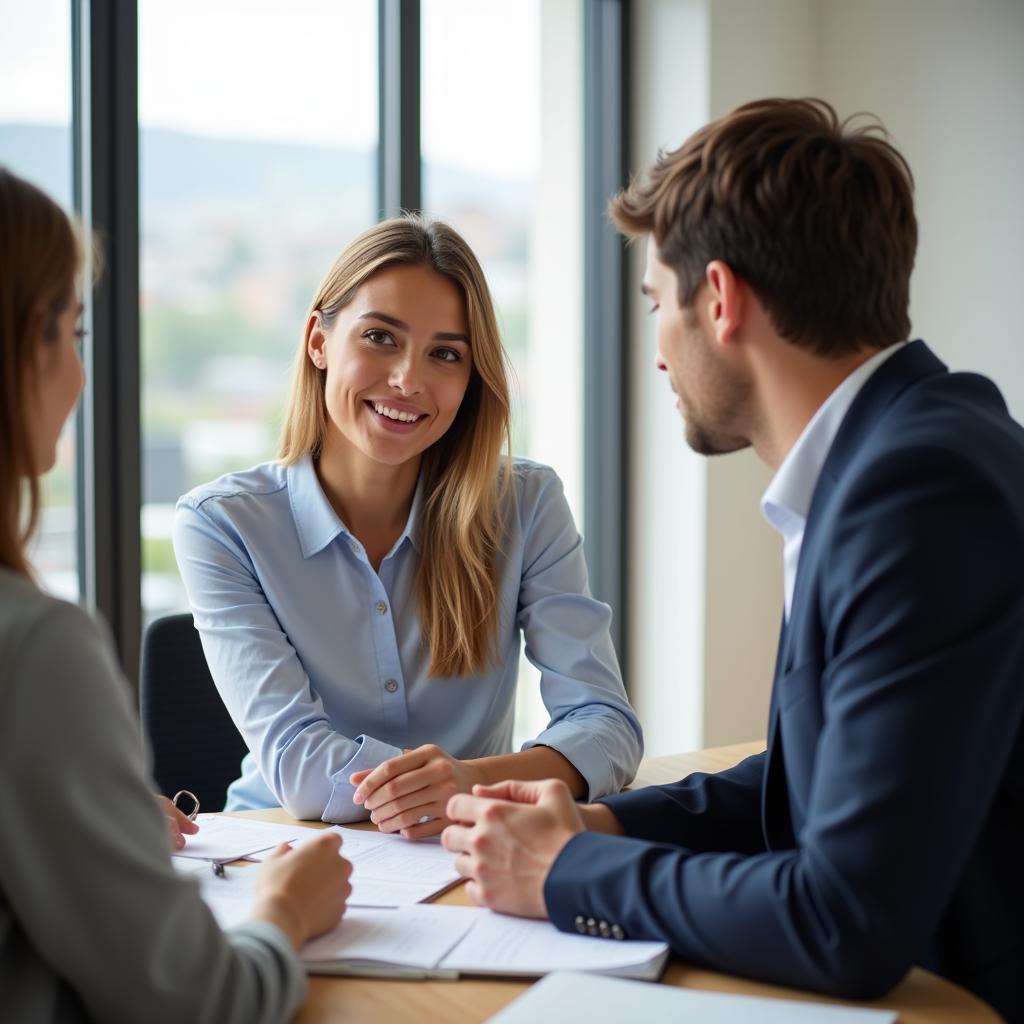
point(385, 772)
point(413, 817)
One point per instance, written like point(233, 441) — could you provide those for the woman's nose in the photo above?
point(406, 375)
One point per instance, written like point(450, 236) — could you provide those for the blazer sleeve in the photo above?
point(567, 634)
point(921, 595)
point(304, 760)
point(87, 871)
point(704, 811)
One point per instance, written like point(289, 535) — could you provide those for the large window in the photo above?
point(256, 167)
point(226, 182)
point(501, 130)
point(36, 143)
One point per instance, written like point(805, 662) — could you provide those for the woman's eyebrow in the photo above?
point(394, 321)
point(374, 314)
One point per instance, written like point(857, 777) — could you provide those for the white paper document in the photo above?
point(388, 870)
point(585, 999)
point(426, 940)
point(223, 838)
point(443, 941)
point(417, 937)
point(499, 944)
point(231, 896)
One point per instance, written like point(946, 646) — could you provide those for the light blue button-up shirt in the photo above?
point(320, 660)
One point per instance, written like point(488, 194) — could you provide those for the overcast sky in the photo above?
point(301, 70)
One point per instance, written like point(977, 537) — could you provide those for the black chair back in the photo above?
point(195, 744)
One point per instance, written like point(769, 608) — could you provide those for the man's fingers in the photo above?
point(455, 839)
point(465, 865)
point(514, 790)
point(466, 808)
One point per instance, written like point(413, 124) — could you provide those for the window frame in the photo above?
point(105, 130)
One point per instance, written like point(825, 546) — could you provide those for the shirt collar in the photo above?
point(787, 500)
point(316, 521)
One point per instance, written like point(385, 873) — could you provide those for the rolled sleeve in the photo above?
point(371, 752)
point(568, 639)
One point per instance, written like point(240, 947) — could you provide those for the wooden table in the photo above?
point(921, 998)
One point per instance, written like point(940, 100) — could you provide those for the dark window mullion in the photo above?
point(399, 177)
point(107, 196)
point(606, 395)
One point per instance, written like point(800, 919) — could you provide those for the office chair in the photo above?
point(195, 744)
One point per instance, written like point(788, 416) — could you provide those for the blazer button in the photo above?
point(581, 924)
point(603, 928)
point(617, 932)
point(591, 926)
point(391, 685)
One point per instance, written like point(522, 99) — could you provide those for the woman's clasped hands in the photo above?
point(409, 793)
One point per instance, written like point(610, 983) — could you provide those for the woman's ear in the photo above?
point(316, 340)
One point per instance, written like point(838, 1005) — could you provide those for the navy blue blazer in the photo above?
point(883, 825)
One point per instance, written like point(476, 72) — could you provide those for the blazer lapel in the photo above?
point(892, 378)
point(914, 362)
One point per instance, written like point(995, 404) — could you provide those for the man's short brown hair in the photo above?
point(816, 215)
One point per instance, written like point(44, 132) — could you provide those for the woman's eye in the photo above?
point(448, 355)
point(379, 337)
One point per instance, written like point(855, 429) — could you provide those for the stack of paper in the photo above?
point(440, 941)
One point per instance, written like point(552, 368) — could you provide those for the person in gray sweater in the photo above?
point(95, 924)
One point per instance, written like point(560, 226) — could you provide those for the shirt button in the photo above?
point(381, 607)
point(391, 685)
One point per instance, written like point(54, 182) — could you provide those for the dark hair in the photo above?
point(816, 215)
point(41, 255)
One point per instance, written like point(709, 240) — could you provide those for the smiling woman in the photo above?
point(361, 601)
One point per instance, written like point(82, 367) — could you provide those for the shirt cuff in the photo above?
point(369, 754)
point(584, 753)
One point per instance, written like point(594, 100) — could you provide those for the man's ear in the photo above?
point(724, 300)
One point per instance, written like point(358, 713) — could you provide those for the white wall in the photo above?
point(947, 79)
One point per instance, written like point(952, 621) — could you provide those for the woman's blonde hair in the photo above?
point(463, 488)
point(41, 256)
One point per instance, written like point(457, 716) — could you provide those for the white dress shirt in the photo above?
point(787, 501)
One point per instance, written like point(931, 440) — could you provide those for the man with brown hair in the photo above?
point(880, 828)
